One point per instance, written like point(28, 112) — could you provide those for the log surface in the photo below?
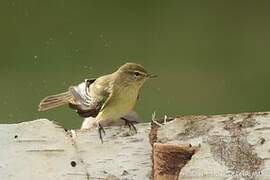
point(41, 149)
point(231, 146)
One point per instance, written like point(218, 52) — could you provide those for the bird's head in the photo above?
point(133, 74)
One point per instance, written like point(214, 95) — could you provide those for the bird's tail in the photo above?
point(54, 101)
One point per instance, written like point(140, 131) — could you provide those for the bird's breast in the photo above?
point(128, 98)
point(121, 103)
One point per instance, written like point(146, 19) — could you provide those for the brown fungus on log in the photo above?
point(169, 159)
point(153, 140)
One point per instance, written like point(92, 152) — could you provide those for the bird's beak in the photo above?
point(151, 75)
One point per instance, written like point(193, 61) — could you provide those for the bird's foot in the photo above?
point(100, 131)
point(130, 124)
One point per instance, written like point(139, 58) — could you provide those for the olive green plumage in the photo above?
point(108, 97)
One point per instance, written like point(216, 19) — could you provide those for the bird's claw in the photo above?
point(130, 124)
point(100, 131)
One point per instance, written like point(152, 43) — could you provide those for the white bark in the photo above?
point(231, 146)
point(123, 155)
point(37, 150)
point(223, 147)
point(41, 150)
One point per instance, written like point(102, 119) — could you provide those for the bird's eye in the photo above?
point(136, 73)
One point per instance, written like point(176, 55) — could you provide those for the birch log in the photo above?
point(232, 146)
point(41, 149)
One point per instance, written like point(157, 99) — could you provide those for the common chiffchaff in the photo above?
point(109, 97)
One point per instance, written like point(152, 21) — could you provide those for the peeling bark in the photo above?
point(169, 159)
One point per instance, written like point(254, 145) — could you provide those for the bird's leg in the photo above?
point(100, 131)
point(129, 124)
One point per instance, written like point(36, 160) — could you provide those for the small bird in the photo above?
point(107, 98)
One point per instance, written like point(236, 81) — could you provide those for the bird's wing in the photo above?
point(84, 104)
point(107, 101)
point(110, 97)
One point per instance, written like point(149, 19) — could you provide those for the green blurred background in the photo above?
point(212, 57)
